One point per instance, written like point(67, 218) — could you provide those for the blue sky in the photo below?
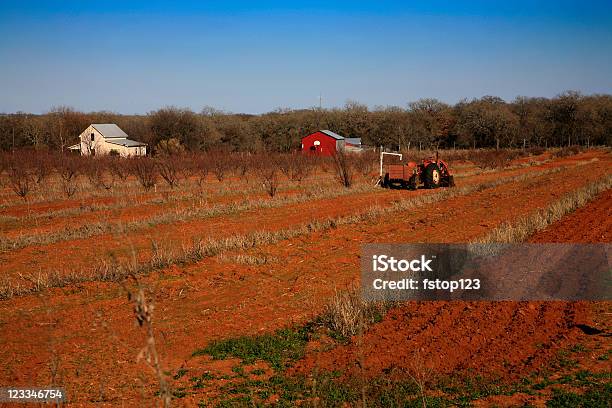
point(256, 56)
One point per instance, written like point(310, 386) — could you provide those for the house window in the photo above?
point(92, 137)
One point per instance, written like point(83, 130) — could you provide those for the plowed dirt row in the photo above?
point(492, 339)
point(142, 206)
point(591, 223)
point(78, 255)
point(90, 330)
point(145, 205)
point(132, 191)
point(136, 208)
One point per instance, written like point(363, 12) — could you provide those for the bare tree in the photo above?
point(145, 170)
point(171, 169)
point(43, 164)
point(21, 177)
point(296, 166)
point(268, 172)
point(242, 164)
point(99, 174)
point(68, 168)
point(198, 168)
point(344, 166)
point(365, 162)
point(219, 163)
point(118, 167)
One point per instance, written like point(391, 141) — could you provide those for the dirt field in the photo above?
point(232, 262)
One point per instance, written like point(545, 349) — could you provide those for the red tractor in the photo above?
point(431, 173)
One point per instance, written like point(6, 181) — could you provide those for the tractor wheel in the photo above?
point(385, 181)
point(447, 181)
point(432, 177)
point(412, 183)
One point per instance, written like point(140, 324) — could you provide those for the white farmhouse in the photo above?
point(108, 138)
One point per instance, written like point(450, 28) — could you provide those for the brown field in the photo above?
point(230, 261)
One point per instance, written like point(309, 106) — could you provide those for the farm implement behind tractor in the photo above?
point(431, 173)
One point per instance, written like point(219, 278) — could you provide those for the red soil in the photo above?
point(591, 223)
point(491, 339)
point(89, 330)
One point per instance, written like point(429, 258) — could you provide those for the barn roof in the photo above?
point(127, 143)
point(332, 134)
point(353, 140)
point(109, 130)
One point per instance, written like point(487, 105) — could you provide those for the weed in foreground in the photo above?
point(348, 314)
point(143, 312)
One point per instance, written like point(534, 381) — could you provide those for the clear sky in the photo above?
point(256, 56)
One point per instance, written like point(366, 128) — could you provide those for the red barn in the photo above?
point(322, 142)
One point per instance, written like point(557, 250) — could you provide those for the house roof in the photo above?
point(109, 130)
point(332, 134)
point(353, 140)
point(127, 143)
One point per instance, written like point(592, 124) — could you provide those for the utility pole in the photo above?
point(320, 110)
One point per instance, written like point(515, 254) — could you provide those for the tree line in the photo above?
point(488, 122)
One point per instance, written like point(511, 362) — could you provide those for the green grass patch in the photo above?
point(582, 378)
point(331, 389)
point(578, 348)
point(595, 397)
point(277, 348)
point(326, 390)
point(469, 388)
point(179, 393)
point(605, 356)
point(563, 360)
point(181, 372)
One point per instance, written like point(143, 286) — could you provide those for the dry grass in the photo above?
point(493, 159)
point(567, 151)
point(522, 229)
point(250, 260)
point(348, 314)
point(182, 214)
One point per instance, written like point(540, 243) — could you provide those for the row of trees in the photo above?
point(26, 171)
point(570, 118)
